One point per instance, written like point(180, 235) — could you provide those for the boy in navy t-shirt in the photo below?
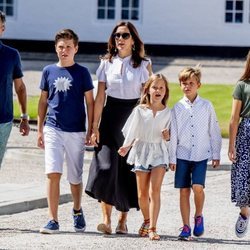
point(65, 88)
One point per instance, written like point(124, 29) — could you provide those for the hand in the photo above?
point(24, 127)
point(88, 139)
point(165, 134)
point(172, 166)
point(95, 137)
point(123, 150)
point(40, 140)
point(232, 154)
point(215, 163)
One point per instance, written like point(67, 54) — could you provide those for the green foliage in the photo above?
point(219, 94)
point(32, 107)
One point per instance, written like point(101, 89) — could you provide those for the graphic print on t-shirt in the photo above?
point(62, 84)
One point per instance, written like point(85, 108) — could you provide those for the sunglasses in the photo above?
point(123, 35)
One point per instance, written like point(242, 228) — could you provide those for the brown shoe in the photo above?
point(120, 230)
point(103, 228)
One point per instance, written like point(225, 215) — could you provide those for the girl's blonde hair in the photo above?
point(145, 99)
point(246, 74)
point(189, 72)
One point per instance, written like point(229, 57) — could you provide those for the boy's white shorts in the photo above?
point(60, 144)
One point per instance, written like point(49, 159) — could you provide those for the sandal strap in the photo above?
point(152, 229)
point(143, 231)
point(153, 234)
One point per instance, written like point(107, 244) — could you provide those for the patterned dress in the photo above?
point(240, 174)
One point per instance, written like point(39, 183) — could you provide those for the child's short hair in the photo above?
point(190, 72)
point(67, 34)
point(145, 99)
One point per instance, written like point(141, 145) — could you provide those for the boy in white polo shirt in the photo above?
point(195, 140)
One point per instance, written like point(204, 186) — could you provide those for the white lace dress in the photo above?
point(145, 129)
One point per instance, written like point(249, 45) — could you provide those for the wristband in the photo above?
point(24, 116)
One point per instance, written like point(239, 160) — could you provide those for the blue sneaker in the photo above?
point(51, 228)
point(198, 226)
point(185, 233)
point(241, 226)
point(79, 221)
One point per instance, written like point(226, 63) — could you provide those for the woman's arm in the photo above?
point(98, 108)
point(90, 112)
point(233, 128)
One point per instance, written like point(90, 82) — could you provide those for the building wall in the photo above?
point(163, 22)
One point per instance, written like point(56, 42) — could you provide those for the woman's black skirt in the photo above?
point(110, 178)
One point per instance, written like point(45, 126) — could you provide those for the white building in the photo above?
point(219, 23)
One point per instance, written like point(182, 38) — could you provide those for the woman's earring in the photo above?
point(115, 50)
point(133, 47)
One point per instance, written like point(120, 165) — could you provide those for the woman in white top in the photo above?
point(121, 74)
point(145, 132)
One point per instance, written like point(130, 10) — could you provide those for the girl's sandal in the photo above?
point(152, 234)
point(143, 231)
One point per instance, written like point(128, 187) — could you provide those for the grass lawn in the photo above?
point(220, 95)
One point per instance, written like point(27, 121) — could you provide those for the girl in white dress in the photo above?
point(146, 134)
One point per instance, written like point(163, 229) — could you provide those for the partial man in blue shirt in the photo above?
point(10, 72)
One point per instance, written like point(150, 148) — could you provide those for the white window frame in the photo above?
point(234, 11)
point(130, 8)
point(4, 5)
point(118, 12)
point(106, 8)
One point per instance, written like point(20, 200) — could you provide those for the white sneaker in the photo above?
point(241, 226)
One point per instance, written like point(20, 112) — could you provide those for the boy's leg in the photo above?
point(74, 145)
point(76, 191)
point(54, 156)
point(198, 184)
point(199, 198)
point(183, 181)
point(156, 178)
point(185, 205)
point(53, 194)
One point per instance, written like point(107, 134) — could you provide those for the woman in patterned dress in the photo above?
point(239, 149)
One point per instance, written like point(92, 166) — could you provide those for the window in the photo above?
point(118, 9)
point(234, 11)
point(130, 10)
point(7, 6)
point(106, 9)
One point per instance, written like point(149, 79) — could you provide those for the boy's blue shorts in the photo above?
point(189, 173)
